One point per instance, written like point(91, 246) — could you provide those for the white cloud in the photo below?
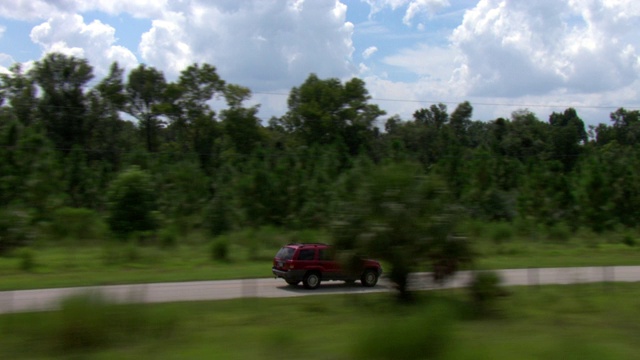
point(263, 43)
point(378, 5)
point(426, 61)
point(34, 9)
point(545, 55)
point(43, 9)
point(414, 7)
point(363, 69)
point(165, 45)
point(513, 48)
point(95, 41)
point(428, 7)
point(369, 51)
point(6, 61)
point(137, 8)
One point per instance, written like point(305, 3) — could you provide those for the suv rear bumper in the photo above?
point(295, 275)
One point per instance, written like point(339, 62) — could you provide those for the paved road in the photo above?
point(49, 299)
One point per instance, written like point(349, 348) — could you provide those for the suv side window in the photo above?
point(307, 254)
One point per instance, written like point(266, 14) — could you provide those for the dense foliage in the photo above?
point(145, 154)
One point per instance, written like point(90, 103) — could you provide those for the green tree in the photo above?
point(111, 136)
point(524, 137)
point(241, 125)
point(186, 104)
point(546, 193)
point(567, 137)
point(626, 125)
point(608, 187)
point(41, 185)
point(460, 121)
point(145, 92)
point(10, 131)
point(327, 112)
point(132, 202)
point(62, 106)
point(485, 196)
point(14, 229)
point(397, 214)
point(184, 189)
point(20, 93)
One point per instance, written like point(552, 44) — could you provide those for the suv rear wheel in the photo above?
point(311, 280)
point(369, 278)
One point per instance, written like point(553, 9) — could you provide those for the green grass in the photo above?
point(595, 321)
point(250, 254)
point(97, 265)
point(520, 254)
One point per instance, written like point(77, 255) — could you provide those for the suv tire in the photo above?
point(369, 278)
point(311, 280)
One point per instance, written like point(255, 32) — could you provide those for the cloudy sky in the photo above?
point(501, 55)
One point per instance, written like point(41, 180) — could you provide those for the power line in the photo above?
point(414, 101)
point(497, 104)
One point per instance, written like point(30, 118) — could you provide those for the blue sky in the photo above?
point(501, 55)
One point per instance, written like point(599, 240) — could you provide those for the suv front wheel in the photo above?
point(311, 280)
point(369, 278)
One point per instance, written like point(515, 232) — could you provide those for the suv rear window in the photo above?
point(285, 253)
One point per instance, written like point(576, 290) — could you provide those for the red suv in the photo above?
point(313, 263)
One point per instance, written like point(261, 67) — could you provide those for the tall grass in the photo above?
point(88, 322)
point(425, 334)
point(586, 321)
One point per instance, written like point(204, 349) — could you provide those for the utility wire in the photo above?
point(497, 104)
point(418, 101)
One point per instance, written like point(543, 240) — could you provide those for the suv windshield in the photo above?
point(285, 253)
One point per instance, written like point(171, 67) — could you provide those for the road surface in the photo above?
point(49, 299)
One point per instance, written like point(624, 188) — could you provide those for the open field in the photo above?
point(551, 322)
point(83, 265)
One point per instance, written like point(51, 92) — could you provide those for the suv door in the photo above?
point(306, 258)
point(330, 268)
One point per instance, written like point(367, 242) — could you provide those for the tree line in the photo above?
point(145, 153)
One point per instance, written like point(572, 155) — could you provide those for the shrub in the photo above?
point(77, 224)
point(426, 335)
point(169, 237)
point(89, 321)
point(484, 290)
point(559, 232)
point(474, 228)
point(217, 215)
point(117, 254)
point(132, 203)
point(629, 240)
point(27, 259)
point(220, 250)
point(132, 253)
point(83, 322)
point(14, 229)
point(628, 237)
point(501, 233)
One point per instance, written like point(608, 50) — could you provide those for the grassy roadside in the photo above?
point(97, 265)
point(549, 322)
point(249, 254)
